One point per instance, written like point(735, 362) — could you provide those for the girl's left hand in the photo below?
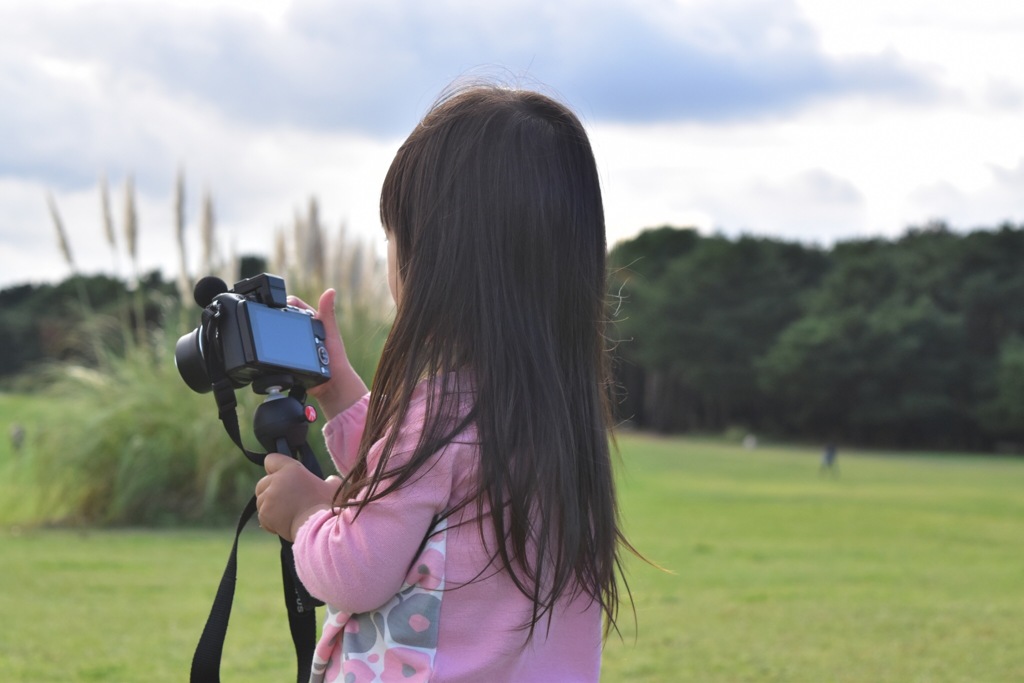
point(290, 494)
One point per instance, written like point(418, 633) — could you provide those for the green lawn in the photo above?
point(903, 569)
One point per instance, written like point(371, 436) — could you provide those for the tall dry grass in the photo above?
point(62, 233)
point(131, 230)
point(109, 231)
point(311, 259)
point(135, 445)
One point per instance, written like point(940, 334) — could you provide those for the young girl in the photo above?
point(474, 535)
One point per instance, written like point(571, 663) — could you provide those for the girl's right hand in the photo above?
point(345, 386)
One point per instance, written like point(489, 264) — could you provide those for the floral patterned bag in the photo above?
point(398, 641)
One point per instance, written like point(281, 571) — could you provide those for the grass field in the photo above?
point(903, 569)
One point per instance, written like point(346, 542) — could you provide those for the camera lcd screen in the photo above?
point(283, 338)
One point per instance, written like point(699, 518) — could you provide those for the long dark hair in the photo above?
point(495, 203)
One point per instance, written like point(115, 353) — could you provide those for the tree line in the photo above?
point(916, 341)
point(74, 319)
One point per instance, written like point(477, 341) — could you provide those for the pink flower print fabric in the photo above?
point(396, 643)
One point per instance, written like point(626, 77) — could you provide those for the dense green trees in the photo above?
point(70, 320)
point(913, 342)
point(698, 320)
point(65, 321)
point(916, 341)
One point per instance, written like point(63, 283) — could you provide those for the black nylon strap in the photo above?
point(301, 617)
point(206, 660)
point(297, 599)
point(300, 605)
point(224, 393)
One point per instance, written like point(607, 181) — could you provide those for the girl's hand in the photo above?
point(290, 494)
point(345, 386)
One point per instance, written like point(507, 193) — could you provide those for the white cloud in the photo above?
point(808, 206)
point(814, 119)
point(259, 177)
point(1001, 94)
point(374, 66)
point(1000, 199)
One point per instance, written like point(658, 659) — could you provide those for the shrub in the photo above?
point(133, 445)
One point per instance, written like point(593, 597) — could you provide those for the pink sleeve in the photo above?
point(356, 563)
point(343, 432)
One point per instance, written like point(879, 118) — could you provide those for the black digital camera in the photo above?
point(249, 334)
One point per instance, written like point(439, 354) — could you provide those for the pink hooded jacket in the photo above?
point(402, 607)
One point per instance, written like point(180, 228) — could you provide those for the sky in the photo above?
point(810, 120)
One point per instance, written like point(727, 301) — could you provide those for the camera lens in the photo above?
point(191, 364)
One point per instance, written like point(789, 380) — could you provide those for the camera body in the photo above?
point(251, 335)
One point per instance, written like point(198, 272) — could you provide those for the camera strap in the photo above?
point(299, 604)
point(224, 393)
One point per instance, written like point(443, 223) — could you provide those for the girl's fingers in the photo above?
point(299, 303)
point(276, 461)
point(326, 313)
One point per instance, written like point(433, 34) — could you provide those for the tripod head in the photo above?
point(281, 422)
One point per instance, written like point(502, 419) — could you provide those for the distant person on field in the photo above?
point(17, 437)
point(828, 460)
